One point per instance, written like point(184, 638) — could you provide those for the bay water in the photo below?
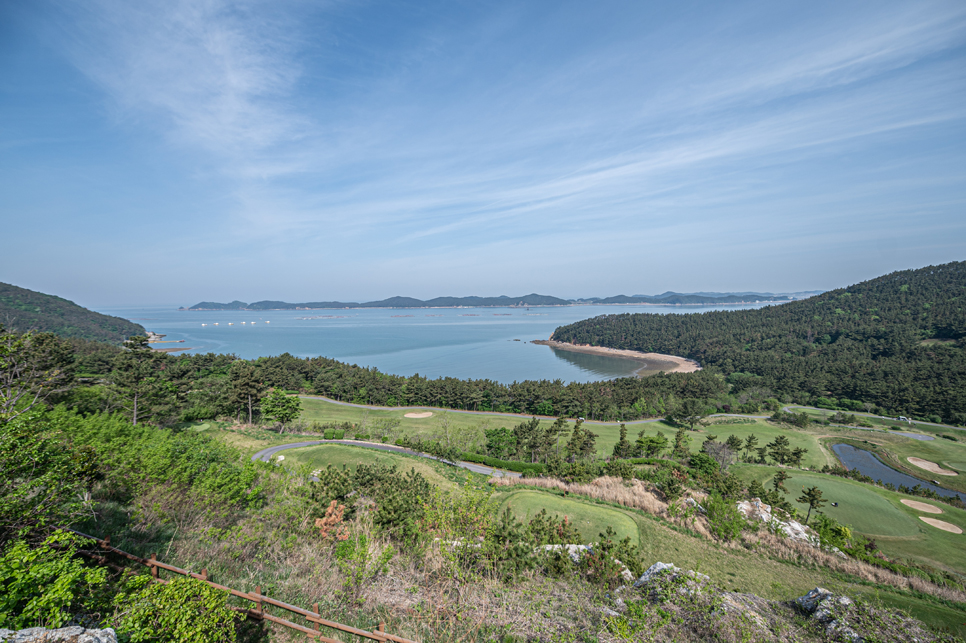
point(466, 343)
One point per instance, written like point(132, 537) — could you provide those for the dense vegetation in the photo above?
point(896, 342)
point(370, 542)
point(209, 385)
point(23, 310)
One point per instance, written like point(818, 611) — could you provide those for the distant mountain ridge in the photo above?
point(502, 301)
point(23, 310)
point(533, 299)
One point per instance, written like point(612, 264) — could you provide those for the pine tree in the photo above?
point(681, 442)
point(622, 449)
point(778, 482)
point(778, 449)
point(246, 389)
point(751, 443)
point(135, 375)
point(813, 498)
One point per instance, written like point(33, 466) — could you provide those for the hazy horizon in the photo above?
point(182, 151)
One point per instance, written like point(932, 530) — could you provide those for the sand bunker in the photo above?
point(941, 524)
point(921, 506)
point(429, 414)
point(931, 467)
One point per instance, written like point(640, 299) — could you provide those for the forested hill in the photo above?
point(898, 341)
point(23, 310)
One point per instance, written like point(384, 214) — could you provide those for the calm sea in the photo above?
point(477, 343)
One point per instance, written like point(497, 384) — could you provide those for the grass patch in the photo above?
point(338, 455)
point(589, 519)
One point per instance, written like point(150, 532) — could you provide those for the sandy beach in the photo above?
point(674, 363)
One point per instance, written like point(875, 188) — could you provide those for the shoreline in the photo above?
point(710, 303)
point(678, 364)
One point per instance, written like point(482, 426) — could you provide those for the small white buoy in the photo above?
point(204, 324)
point(231, 323)
point(216, 323)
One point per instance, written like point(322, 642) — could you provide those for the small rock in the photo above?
point(654, 570)
point(74, 634)
point(609, 612)
point(810, 602)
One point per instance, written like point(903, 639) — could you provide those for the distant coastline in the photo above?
point(527, 301)
point(675, 364)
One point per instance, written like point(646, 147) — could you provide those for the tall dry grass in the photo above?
point(804, 554)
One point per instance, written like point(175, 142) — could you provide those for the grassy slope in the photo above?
point(746, 571)
point(878, 513)
point(738, 569)
point(323, 455)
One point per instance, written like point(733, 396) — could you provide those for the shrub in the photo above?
point(196, 413)
point(43, 586)
point(509, 465)
point(329, 434)
point(184, 610)
point(338, 434)
point(724, 519)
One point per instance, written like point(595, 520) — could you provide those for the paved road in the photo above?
point(265, 455)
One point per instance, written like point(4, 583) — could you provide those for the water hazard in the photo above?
point(869, 465)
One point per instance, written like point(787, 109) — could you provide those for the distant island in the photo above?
point(531, 300)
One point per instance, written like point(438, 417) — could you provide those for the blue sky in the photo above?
point(169, 152)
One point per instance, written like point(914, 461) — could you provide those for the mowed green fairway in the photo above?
point(589, 519)
point(317, 410)
point(337, 455)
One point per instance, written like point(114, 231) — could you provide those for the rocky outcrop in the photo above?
point(757, 511)
point(668, 604)
point(74, 634)
point(830, 612)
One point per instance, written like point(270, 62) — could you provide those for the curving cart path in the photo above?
point(265, 455)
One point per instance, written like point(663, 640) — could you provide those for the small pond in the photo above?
point(868, 464)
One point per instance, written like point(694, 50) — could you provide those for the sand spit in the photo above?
point(675, 364)
point(941, 524)
point(921, 506)
point(931, 467)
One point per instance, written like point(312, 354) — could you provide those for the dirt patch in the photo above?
point(921, 506)
point(941, 524)
point(931, 467)
point(674, 363)
point(429, 414)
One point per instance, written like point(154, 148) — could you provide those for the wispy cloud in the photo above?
point(486, 129)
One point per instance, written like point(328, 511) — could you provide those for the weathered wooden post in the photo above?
point(154, 568)
point(258, 601)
